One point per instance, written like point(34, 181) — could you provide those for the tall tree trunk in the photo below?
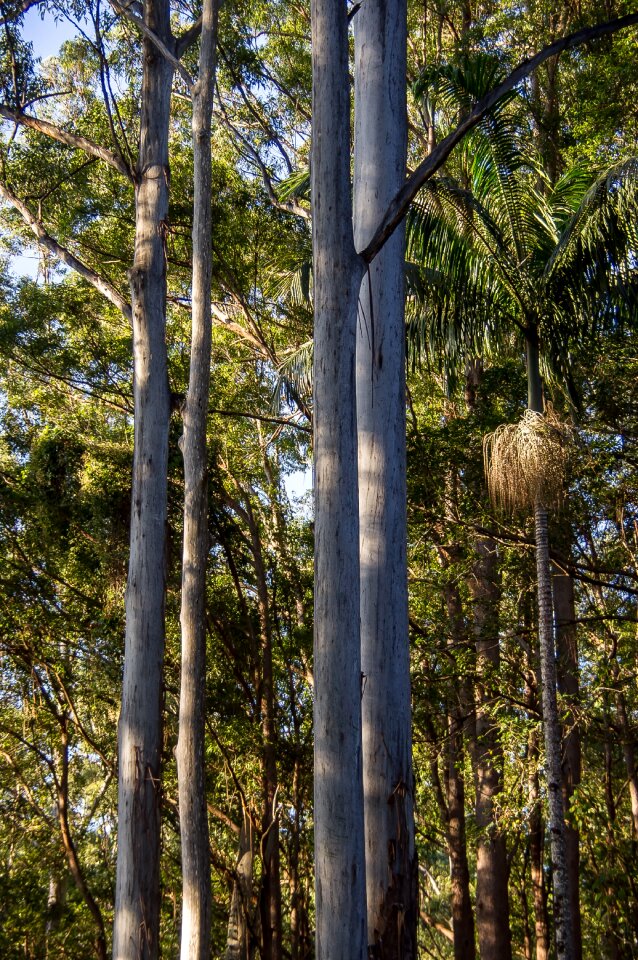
point(193, 815)
point(563, 924)
point(492, 897)
point(567, 665)
point(379, 172)
point(536, 844)
point(238, 940)
point(136, 926)
point(338, 271)
point(458, 708)
point(552, 733)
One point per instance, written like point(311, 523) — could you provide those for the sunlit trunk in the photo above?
point(338, 271)
point(379, 171)
point(196, 889)
point(137, 901)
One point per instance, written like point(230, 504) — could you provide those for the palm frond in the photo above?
point(293, 383)
point(593, 271)
point(296, 186)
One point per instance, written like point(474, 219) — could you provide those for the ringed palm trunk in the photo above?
point(196, 888)
point(379, 172)
point(338, 271)
point(549, 705)
point(136, 926)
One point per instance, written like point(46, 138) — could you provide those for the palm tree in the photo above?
point(502, 258)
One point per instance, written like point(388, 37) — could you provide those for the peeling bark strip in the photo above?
point(379, 170)
point(338, 804)
point(136, 928)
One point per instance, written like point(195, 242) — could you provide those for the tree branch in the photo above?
point(101, 285)
point(156, 41)
point(74, 140)
point(399, 205)
point(187, 38)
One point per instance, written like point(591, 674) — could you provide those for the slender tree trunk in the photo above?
point(70, 849)
point(551, 728)
point(136, 927)
point(238, 938)
point(536, 844)
point(567, 665)
point(563, 923)
point(492, 896)
point(193, 815)
point(458, 708)
point(338, 271)
point(379, 171)
point(462, 917)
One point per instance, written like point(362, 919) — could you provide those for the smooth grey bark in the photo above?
point(492, 895)
point(567, 676)
point(379, 170)
point(190, 752)
point(136, 921)
point(338, 271)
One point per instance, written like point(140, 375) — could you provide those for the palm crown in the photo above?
point(501, 250)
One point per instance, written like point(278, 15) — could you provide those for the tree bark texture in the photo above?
point(338, 271)
point(238, 940)
point(536, 847)
point(379, 171)
point(458, 709)
point(492, 898)
point(551, 727)
point(567, 674)
point(190, 753)
point(136, 927)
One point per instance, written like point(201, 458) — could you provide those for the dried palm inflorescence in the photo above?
point(525, 461)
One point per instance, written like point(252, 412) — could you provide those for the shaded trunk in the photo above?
point(552, 733)
point(136, 926)
point(70, 849)
point(629, 756)
point(238, 938)
point(536, 846)
point(462, 917)
point(379, 171)
point(458, 708)
point(338, 271)
point(567, 667)
point(193, 816)
point(492, 896)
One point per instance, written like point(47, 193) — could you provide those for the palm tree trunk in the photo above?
point(193, 815)
point(379, 171)
point(338, 271)
point(551, 726)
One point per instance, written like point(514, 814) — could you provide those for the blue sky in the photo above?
point(46, 35)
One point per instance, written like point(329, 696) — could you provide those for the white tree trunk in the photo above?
point(193, 816)
point(338, 804)
point(379, 172)
point(136, 928)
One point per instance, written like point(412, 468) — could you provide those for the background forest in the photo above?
point(506, 197)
